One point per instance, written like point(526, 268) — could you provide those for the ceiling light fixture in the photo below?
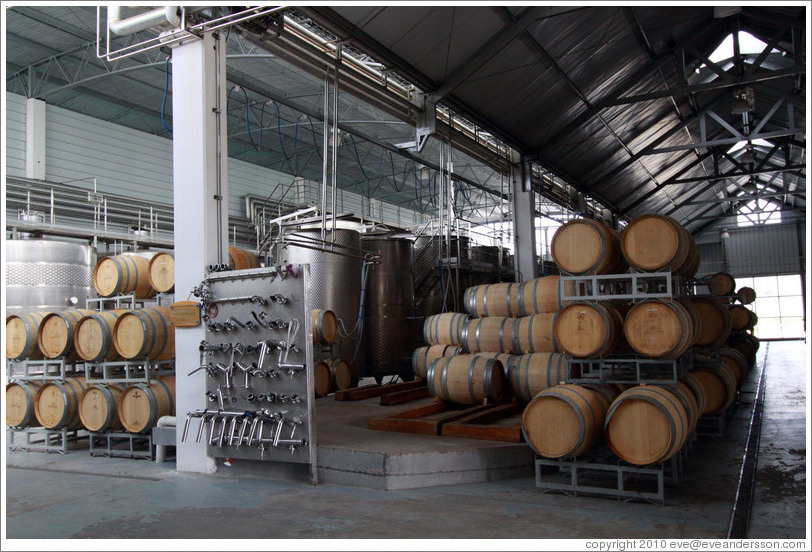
point(743, 101)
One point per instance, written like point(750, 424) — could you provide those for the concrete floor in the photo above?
point(78, 496)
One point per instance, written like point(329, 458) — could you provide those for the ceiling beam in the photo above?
point(754, 172)
point(704, 87)
point(490, 48)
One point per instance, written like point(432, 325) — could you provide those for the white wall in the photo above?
point(15, 135)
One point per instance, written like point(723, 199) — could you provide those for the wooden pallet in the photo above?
point(471, 422)
point(502, 422)
point(375, 390)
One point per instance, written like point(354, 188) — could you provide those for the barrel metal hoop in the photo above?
point(502, 335)
point(535, 294)
point(166, 336)
point(471, 365)
point(476, 334)
point(169, 394)
point(526, 361)
point(445, 379)
point(549, 371)
point(31, 337)
point(147, 344)
point(507, 300)
point(485, 299)
point(106, 337)
point(110, 399)
point(561, 393)
point(530, 348)
point(430, 378)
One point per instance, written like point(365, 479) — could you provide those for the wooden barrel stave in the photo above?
point(241, 259)
point(20, 403)
point(121, 275)
point(141, 406)
point(528, 375)
point(488, 334)
point(586, 246)
point(22, 333)
point(466, 379)
point(145, 333)
point(324, 325)
point(422, 357)
point(161, 272)
point(93, 336)
point(98, 407)
point(584, 329)
point(646, 425)
point(57, 403)
point(659, 328)
point(563, 421)
point(444, 329)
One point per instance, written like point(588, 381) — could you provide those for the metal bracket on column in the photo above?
point(425, 125)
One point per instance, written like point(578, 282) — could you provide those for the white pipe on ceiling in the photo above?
point(142, 21)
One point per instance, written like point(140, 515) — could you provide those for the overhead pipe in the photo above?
point(142, 21)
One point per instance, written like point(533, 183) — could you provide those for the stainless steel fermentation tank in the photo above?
point(47, 275)
point(335, 279)
point(428, 286)
point(389, 321)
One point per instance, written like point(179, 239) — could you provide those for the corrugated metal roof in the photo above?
point(543, 90)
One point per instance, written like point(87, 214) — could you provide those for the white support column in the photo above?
point(35, 139)
point(201, 211)
point(524, 222)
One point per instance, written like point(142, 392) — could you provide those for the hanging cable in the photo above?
point(247, 124)
point(261, 122)
point(279, 135)
point(358, 158)
point(163, 102)
point(295, 136)
point(313, 132)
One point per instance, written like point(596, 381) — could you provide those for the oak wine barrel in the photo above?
point(161, 272)
point(688, 400)
point(493, 300)
point(587, 246)
point(56, 405)
point(444, 329)
point(742, 318)
point(563, 421)
point(716, 323)
point(466, 379)
point(98, 407)
point(22, 331)
point(659, 328)
point(488, 334)
point(736, 361)
point(655, 243)
point(646, 425)
point(93, 336)
point(746, 295)
point(322, 381)
point(422, 357)
point(324, 325)
point(340, 373)
point(141, 405)
point(56, 333)
point(722, 283)
point(747, 344)
point(122, 275)
point(240, 259)
point(534, 334)
point(606, 392)
point(543, 294)
point(698, 391)
point(584, 329)
point(20, 400)
point(529, 375)
point(719, 385)
point(145, 333)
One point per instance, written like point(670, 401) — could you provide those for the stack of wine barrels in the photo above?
point(147, 273)
point(510, 326)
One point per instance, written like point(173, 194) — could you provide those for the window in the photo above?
point(779, 305)
point(758, 211)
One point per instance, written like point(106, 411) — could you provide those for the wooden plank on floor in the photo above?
point(423, 420)
point(480, 425)
point(375, 390)
point(400, 397)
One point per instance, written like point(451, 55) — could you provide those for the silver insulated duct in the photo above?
point(389, 318)
point(335, 281)
point(47, 275)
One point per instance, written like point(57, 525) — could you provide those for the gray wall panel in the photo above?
point(15, 135)
point(712, 258)
point(136, 164)
point(763, 250)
